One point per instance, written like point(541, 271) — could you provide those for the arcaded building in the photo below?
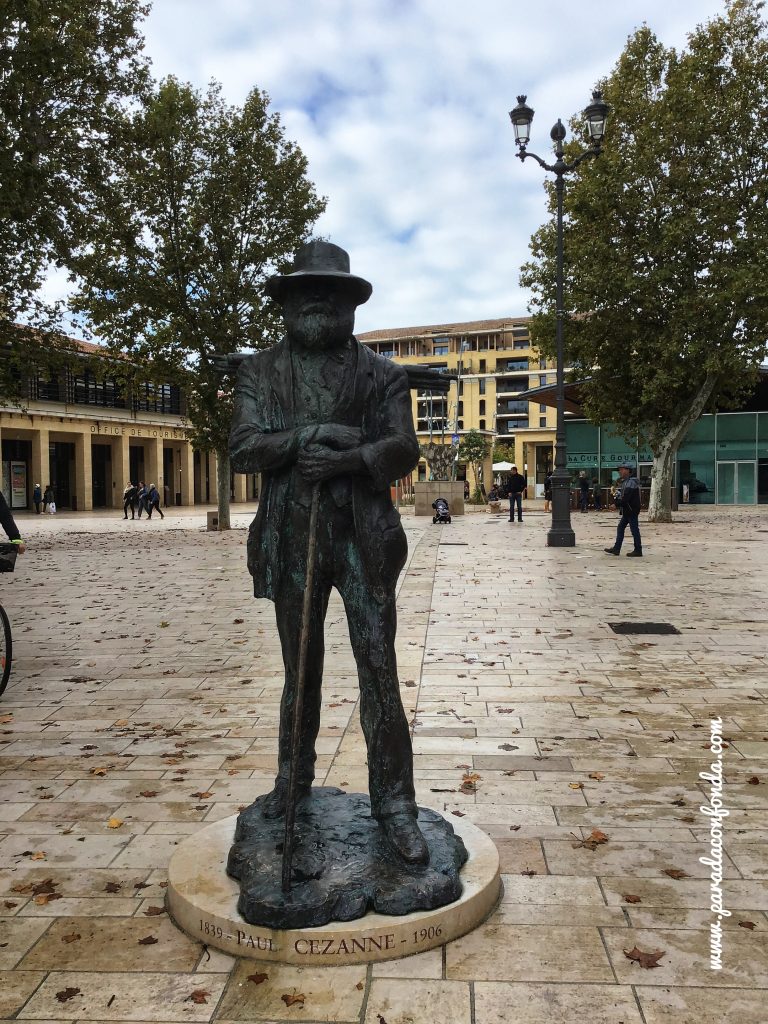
point(86, 436)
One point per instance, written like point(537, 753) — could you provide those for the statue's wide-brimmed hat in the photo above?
point(318, 259)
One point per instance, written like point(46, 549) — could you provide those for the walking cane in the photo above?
point(298, 700)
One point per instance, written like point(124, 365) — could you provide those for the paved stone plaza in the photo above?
point(144, 700)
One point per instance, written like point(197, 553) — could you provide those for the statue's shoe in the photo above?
point(273, 804)
point(405, 837)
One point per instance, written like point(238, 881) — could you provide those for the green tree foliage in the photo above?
point(475, 449)
point(666, 238)
point(504, 451)
point(67, 69)
point(205, 200)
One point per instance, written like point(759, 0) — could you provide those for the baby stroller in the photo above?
point(442, 512)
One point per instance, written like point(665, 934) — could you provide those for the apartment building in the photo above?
point(497, 364)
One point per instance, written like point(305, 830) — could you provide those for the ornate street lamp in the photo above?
point(561, 532)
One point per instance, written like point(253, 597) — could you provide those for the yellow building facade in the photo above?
point(83, 436)
point(496, 363)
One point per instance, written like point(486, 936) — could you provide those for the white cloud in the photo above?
point(401, 108)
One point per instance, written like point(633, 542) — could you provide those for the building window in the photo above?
point(164, 398)
point(542, 407)
point(440, 350)
point(461, 408)
point(482, 407)
point(461, 425)
point(542, 421)
point(481, 384)
point(85, 389)
point(542, 363)
point(520, 344)
point(482, 424)
point(482, 366)
point(542, 379)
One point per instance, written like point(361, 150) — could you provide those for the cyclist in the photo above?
point(8, 523)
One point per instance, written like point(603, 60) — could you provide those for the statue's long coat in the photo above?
point(265, 439)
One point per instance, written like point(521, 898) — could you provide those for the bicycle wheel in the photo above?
point(5, 649)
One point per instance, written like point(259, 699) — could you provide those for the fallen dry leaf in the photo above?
point(67, 994)
point(675, 873)
point(72, 937)
point(112, 887)
point(154, 911)
point(148, 940)
point(594, 839)
point(646, 960)
point(750, 925)
point(632, 899)
point(257, 978)
point(203, 796)
point(42, 899)
point(148, 793)
point(6, 719)
point(597, 775)
point(38, 855)
point(753, 781)
point(114, 823)
point(297, 998)
point(199, 996)
point(576, 785)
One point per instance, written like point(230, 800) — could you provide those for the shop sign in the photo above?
point(18, 485)
point(582, 459)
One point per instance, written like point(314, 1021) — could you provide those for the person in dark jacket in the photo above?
point(141, 499)
point(548, 492)
point(597, 495)
point(628, 502)
point(153, 501)
point(583, 490)
point(48, 497)
point(8, 523)
point(516, 486)
point(37, 497)
point(129, 500)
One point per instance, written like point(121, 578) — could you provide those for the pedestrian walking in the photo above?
point(37, 498)
point(583, 490)
point(153, 501)
point(515, 487)
point(628, 502)
point(548, 492)
point(129, 500)
point(141, 499)
point(597, 495)
point(48, 498)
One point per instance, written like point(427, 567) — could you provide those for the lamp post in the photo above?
point(560, 532)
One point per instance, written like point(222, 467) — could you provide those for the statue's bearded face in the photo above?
point(319, 313)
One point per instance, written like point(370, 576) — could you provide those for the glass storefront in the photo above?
point(723, 459)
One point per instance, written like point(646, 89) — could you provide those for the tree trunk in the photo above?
point(665, 451)
point(222, 487)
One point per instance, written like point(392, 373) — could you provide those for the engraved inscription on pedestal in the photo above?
point(203, 901)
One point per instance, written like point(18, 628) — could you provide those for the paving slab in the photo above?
point(131, 721)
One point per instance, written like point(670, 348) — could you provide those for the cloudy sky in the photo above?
point(401, 107)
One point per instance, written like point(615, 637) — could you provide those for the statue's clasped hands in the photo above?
point(330, 452)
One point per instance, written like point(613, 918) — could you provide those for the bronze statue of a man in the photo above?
point(320, 407)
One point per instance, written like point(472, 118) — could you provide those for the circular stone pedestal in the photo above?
point(202, 899)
